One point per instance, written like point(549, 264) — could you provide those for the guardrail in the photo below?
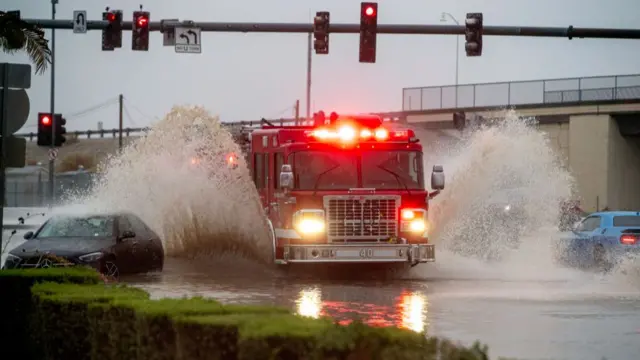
point(549, 91)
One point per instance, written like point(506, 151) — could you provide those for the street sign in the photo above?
point(19, 75)
point(16, 151)
point(18, 110)
point(53, 154)
point(168, 35)
point(79, 21)
point(188, 40)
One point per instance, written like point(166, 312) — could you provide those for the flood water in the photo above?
point(533, 319)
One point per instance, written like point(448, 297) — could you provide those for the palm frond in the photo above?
point(37, 48)
point(18, 35)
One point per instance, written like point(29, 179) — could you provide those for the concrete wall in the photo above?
point(589, 158)
point(623, 178)
point(606, 165)
point(559, 140)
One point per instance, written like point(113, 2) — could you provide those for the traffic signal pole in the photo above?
point(406, 29)
point(53, 106)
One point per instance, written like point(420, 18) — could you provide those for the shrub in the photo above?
point(62, 313)
point(16, 305)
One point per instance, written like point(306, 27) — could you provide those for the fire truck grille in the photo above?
point(359, 219)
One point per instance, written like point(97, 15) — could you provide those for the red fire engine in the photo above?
point(346, 189)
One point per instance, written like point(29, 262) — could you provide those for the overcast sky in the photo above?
point(248, 76)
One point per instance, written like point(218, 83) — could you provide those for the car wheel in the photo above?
point(110, 270)
point(600, 257)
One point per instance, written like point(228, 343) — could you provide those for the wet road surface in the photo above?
point(583, 317)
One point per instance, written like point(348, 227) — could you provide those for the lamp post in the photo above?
point(443, 18)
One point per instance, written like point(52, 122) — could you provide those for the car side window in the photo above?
point(589, 224)
point(139, 226)
point(124, 225)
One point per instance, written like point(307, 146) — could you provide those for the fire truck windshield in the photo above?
point(329, 170)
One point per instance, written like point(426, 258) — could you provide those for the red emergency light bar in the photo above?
point(352, 134)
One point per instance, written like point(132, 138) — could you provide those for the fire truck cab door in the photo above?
point(261, 177)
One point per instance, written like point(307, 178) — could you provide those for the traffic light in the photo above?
point(45, 121)
point(61, 130)
point(473, 34)
point(321, 32)
point(368, 31)
point(140, 33)
point(112, 34)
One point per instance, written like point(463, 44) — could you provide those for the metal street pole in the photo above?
point(53, 106)
point(309, 57)
point(444, 18)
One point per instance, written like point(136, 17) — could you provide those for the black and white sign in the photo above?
point(53, 154)
point(188, 40)
point(80, 21)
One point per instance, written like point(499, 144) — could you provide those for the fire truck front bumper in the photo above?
point(412, 254)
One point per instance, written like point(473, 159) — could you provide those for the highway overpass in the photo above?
point(593, 123)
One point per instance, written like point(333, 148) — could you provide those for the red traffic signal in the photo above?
point(142, 21)
point(111, 17)
point(45, 119)
point(370, 11)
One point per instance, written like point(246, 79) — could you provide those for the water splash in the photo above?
point(177, 180)
point(511, 158)
point(505, 182)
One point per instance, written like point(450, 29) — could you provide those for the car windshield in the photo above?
point(326, 169)
point(64, 227)
point(392, 170)
point(336, 170)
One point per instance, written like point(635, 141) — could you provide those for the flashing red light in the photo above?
point(381, 134)
point(143, 21)
point(348, 134)
point(628, 239)
point(46, 120)
point(111, 17)
point(370, 11)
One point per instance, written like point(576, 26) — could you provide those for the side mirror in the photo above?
point(28, 235)
point(433, 194)
point(286, 177)
point(437, 178)
point(127, 235)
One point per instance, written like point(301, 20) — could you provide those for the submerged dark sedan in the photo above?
point(114, 244)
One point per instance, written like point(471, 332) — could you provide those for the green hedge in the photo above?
point(17, 308)
point(71, 316)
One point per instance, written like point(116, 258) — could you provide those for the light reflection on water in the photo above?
point(409, 310)
point(377, 303)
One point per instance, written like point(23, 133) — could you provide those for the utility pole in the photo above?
point(120, 120)
point(309, 51)
point(52, 160)
point(297, 112)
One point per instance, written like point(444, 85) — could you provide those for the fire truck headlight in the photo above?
point(309, 221)
point(417, 226)
point(414, 221)
point(310, 226)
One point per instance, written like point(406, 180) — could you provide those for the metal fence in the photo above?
point(29, 186)
point(554, 91)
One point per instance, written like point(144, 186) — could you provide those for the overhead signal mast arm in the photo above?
point(406, 29)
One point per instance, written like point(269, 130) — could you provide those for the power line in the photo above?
point(137, 109)
point(92, 108)
point(128, 115)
